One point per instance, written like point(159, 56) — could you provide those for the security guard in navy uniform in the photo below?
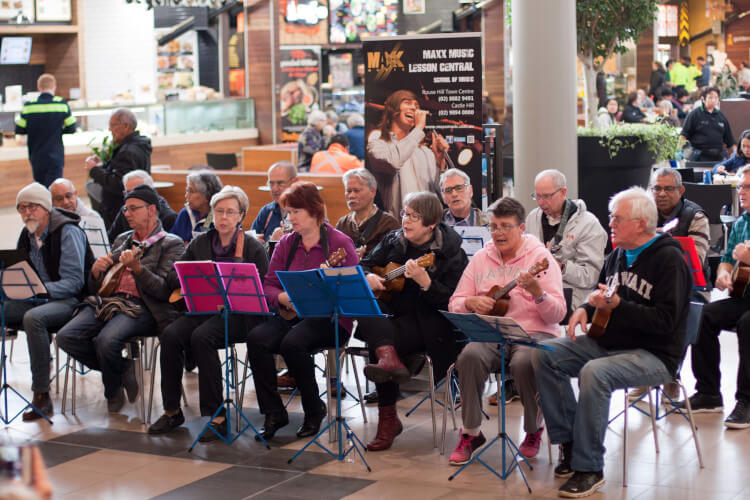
point(45, 120)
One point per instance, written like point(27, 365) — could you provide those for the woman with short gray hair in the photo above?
point(196, 217)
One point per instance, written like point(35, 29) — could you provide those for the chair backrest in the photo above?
point(96, 193)
point(700, 164)
point(687, 174)
point(221, 161)
point(693, 323)
point(711, 197)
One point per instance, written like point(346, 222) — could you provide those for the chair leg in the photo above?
point(693, 427)
point(431, 378)
point(57, 366)
point(359, 388)
point(448, 395)
point(65, 384)
point(652, 414)
point(12, 343)
point(332, 430)
point(549, 446)
point(241, 397)
point(73, 390)
point(154, 356)
point(625, 441)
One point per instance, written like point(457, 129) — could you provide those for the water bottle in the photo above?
point(706, 177)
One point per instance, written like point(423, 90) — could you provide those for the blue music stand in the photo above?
point(24, 283)
point(334, 293)
point(217, 288)
point(501, 331)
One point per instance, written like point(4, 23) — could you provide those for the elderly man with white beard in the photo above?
point(58, 251)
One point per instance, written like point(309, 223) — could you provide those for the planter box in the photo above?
point(600, 177)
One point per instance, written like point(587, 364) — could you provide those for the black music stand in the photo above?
point(502, 331)
point(23, 285)
point(219, 285)
point(334, 293)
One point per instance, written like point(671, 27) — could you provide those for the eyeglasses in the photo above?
point(502, 228)
point(666, 189)
point(221, 212)
point(412, 216)
point(743, 187)
point(132, 208)
point(28, 207)
point(542, 197)
point(617, 220)
point(458, 189)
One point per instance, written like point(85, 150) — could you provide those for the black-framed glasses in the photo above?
point(541, 197)
point(27, 207)
point(460, 188)
point(743, 187)
point(132, 208)
point(666, 189)
point(412, 216)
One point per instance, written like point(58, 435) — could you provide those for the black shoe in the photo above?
point(564, 468)
point(114, 405)
point(740, 416)
point(273, 422)
point(210, 435)
point(311, 424)
point(167, 423)
point(371, 398)
point(130, 382)
point(703, 403)
point(582, 484)
point(332, 388)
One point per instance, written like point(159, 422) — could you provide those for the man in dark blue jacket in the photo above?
point(44, 120)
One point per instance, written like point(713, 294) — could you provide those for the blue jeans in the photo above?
point(99, 345)
point(599, 372)
point(38, 320)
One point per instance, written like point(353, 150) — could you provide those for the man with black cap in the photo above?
point(135, 302)
point(57, 249)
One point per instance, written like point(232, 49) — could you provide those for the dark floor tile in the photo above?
point(317, 486)
point(167, 445)
point(234, 483)
point(58, 453)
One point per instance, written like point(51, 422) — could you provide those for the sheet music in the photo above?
point(16, 280)
point(509, 326)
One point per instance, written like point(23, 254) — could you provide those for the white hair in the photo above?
point(664, 172)
point(558, 178)
point(363, 175)
point(316, 117)
point(355, 120)
point(642, 206)
point(140, 174)
point(453, 172)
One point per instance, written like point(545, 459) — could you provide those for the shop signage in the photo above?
point(684, 25)
point(303, 22)
point(300, 88)
point(444, 72)
point(353, 19)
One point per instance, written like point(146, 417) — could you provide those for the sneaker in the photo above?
point(740, 416)
point(511, 394)
point(466, 448)
point(636, 393)
point(530, 446)
point(703, 403)
point(564, 469)
point(167, 423)
point(582, 484)
point(114, 405)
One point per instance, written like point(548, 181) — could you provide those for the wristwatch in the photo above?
point(539, 300)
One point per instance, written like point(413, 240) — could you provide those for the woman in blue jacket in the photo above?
point(738, 159)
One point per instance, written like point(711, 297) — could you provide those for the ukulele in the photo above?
point(334, 260)
point(394, 276)
point(501, 294)
point(112, 278)
point(601, 316)
point(740, 280)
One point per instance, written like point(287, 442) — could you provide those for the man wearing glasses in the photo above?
point(724, 314)
point(137, 306)
point(455, 186)
point(572, 234)
point(267, 224)
point(58, 251)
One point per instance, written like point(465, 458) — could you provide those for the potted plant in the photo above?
point(620, 156)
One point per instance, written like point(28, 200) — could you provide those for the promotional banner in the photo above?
point(300, 88)
point(430, 84)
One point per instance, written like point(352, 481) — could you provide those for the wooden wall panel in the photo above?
point(739, 49)
point(644, 58)
point(262, 57)
point(494, 57)
point(62, 61)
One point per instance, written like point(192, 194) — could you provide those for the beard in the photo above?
point(31, 225)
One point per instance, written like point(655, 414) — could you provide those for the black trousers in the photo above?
point(402, 332)
point(202, 336)
point(706, 354)
point(296, 341)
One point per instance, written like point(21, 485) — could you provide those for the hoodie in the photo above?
point(655, 295)
point(487, 269)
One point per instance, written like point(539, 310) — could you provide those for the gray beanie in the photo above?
point(35, 193)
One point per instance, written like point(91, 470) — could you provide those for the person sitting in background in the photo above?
point(356, 135)
point(138, 304)
point(707, 129)
point(455, 186)
point(267, 224)
point(606, 117)
point(333, 121)
point(632, 113)
point(56, 248)
point(310, 140)
point(681, 101)
point(132, 152)
point(739, 159)
point(668, 113)
point(196, 216)
point(336, 159)
point(167, 216)
point(202, 335)
point(65, 196)
point(366, 224)
point(644, 101)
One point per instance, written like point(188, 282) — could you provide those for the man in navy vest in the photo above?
point(58, 250)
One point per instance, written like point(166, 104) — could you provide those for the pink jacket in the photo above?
point(487, 269)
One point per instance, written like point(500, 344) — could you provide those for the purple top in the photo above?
point(304, 260)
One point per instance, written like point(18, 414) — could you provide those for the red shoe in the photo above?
point(389, 368)
point(530, 446)
point(466, 448)
point(389, 426)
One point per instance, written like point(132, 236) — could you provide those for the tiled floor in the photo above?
point(98, 455)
